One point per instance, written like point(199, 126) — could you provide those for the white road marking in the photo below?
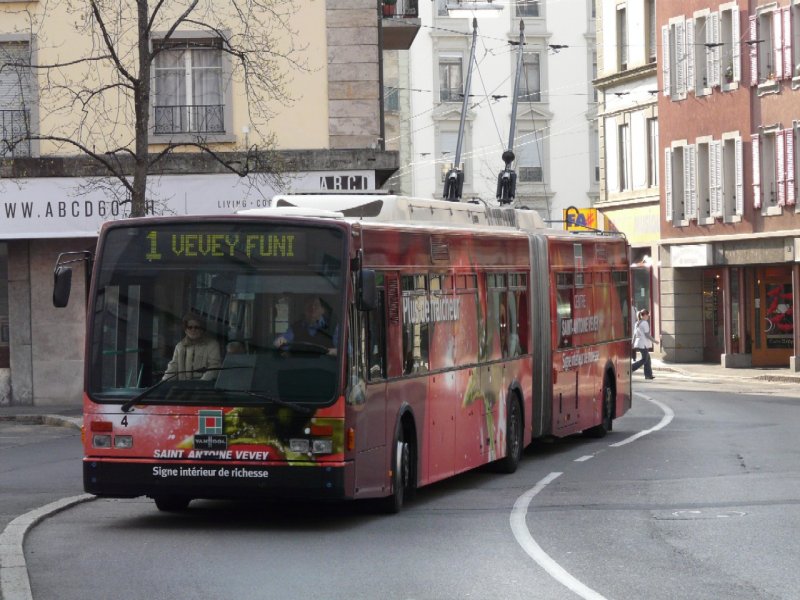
point(522, 534)
point(668, 416)
point(584, 458)
point(525, 539)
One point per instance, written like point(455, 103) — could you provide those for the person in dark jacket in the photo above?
point(313, 328)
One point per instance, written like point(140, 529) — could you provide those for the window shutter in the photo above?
point(691, 84)
point(690, 182)
point(714, 52)
point(756, 172)
point(738, 160)
point(665, 61)
point(680, 58)
point(612, 155)
point(668, 183)
point(791, 176)
point(736, 41)
point(715, 177)
point(787, 42)
point(777, 39)
point(753, 50)
point(780, 167)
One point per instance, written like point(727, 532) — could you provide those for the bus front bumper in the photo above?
point(129, 479)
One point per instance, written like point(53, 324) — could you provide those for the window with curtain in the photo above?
point(528, 148)
point(450, 82)
point(16, 96)
point(530, 85)
point(188, 87)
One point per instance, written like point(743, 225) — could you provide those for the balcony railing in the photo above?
point(14, 133)
point(190, 119)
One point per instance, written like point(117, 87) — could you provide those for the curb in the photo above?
point(14, 581)
point(53, 420)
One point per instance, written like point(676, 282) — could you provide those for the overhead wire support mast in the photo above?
point(454, 182)
point(507, 179)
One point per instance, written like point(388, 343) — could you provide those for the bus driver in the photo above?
point(312, 328)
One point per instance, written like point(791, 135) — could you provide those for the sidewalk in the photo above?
point(716, 372)
point(70, 416)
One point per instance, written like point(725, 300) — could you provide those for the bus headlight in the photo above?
point(123, 441)
point(322, 447)
point(101, 441)
point(298, 445)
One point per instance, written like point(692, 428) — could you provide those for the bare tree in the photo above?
point(102, 65)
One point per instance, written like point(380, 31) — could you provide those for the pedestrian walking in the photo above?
point(643, 343)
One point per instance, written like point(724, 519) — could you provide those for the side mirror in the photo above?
point(62, 284)
point(367, 291)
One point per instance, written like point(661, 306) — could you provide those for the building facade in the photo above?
point(554, 142)
point(628, 134)
point(728, 114)
point(326, 133)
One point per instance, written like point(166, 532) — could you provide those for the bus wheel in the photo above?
point(172, 503)
point(401, 476)
point(607, 423)
point(514, 441)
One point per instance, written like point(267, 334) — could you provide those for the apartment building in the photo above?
point(327, 133)
point(728, 114)
point(628, 126)
point(554, 143)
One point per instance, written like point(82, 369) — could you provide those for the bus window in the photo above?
point(517, 315)
point(564, 292)
point(621, 284)
point(416, 306)
point(376, 355)
point(496, 317)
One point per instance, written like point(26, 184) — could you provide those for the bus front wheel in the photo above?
point(401, 476)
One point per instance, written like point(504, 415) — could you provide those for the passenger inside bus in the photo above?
point(197, 355)
point(314, 327)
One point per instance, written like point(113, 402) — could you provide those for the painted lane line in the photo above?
point(668, 416)
point(14, 581)
point(522, 534)
point(584, 458)
point(532, 549)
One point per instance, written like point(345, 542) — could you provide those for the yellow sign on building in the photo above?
point(582, 219)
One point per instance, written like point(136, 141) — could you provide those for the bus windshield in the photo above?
point(217, 313)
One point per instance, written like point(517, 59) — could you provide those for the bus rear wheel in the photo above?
point(172, 503)
point(607, 422)
point(514, 440)
point(401, 476)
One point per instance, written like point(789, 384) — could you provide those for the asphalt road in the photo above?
point(707, 507)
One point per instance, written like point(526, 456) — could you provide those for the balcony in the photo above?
point(14, 131)
point(186, 118)
point(401, 23)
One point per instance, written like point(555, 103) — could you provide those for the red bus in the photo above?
point(447, 336)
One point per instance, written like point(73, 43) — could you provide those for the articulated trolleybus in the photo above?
point(442, 336)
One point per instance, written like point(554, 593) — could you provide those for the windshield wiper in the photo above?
point(296, 407)
point(127, 406)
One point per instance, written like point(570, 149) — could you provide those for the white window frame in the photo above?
point(444, 162)
point(530, 142)
point(768, 152)
point(677, 181)
point(730, 68)
point(624, 156)
point(794, 40)
point(674, 65)
point(732, 177)
point(766, 48)
point(30, 103)
point(227, 135)
point(623, 37)
point(705, 181)
point(450, 59)
point(653, 150)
